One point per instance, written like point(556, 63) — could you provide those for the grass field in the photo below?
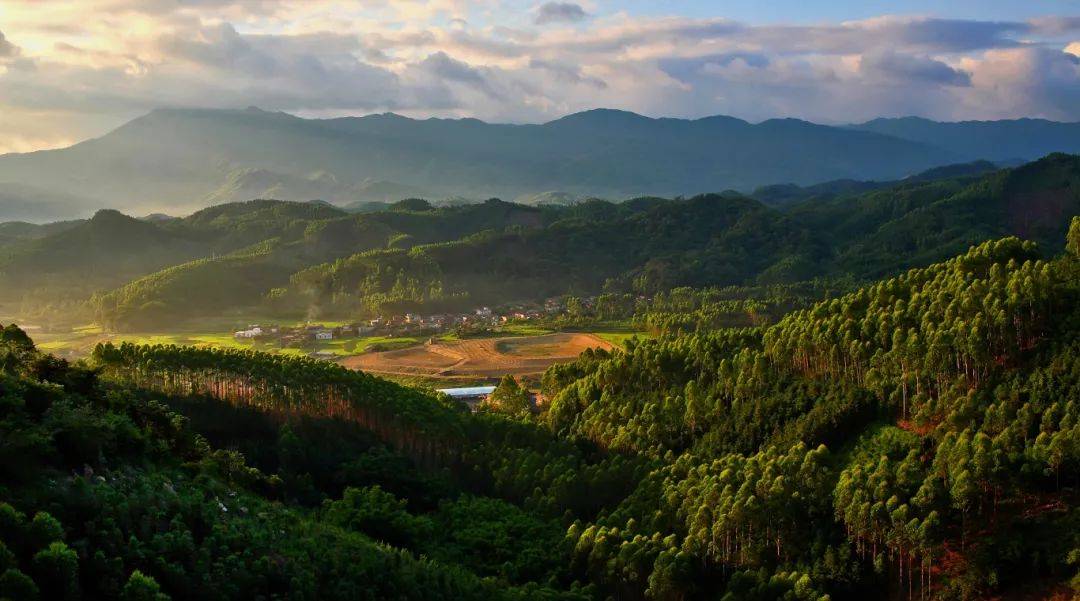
point(619, 338)
point(81, 342)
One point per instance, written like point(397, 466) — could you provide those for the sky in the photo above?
point(75, 69)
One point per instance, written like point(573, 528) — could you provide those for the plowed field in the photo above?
point(480, 358)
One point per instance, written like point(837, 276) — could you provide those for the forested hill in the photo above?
point(918, 437)
point(109, 490)
point(921, 432)
point(784, 195)
point(106, 250)
point(653, 245)
point(298, 259)
point(258, 242)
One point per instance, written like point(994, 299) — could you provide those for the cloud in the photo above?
point(444, 68)
point(908, 69)
point(7, 49)
point(442, 65)
point(1025, 81)
point(567, 73)
point(1054, 25)
point(689, 69)
point(220, 48)
point(560, 12)
point(942, 35)
point(212, 67)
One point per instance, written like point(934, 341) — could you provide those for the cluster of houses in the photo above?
point(412, 323)
point(409, 324)
point(288, 335)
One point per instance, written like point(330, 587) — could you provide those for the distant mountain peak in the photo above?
point(157, 217)
point(602, 116)
point(904, 119)
point(792, 123)
point(389, 116)
point(109, 216)
point(721, 119)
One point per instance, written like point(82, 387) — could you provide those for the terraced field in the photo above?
point(479, 358)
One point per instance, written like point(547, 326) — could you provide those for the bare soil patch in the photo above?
point(484, 358)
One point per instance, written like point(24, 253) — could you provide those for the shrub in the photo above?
point(141, 587)
point(57, 569)
point(17, 586)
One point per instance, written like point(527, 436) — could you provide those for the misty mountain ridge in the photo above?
point(781, 195)
point(147, 270)
point(179, 160)
point(1010, 140)
point(250, 182)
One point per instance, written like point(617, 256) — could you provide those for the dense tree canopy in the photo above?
point(297, 259)
point(915, 436)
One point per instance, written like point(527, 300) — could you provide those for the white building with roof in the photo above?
point(470, 395)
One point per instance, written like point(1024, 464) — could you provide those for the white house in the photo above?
point(324, 335)
point(254, 332)
point(472, 395)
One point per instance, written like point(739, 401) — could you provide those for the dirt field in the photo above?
point(483, 358)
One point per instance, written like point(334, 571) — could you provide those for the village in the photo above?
point(477, 321)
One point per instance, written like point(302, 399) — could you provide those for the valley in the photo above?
point(792, 435)
point(557, 300)
point(842, 390)
point(289, 260)
point(522, 350)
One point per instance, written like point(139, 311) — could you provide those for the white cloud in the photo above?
point(1039, 82)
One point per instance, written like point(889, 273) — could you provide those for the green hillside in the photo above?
point(12, 232)
point(110, 491)
point(301, 259)
point(648, 246)
point(304, 235)
point(70, 261)
point(926, 423)
point(919, 436)
point(102, 252)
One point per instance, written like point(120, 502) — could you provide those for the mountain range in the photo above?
point(176, 161)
